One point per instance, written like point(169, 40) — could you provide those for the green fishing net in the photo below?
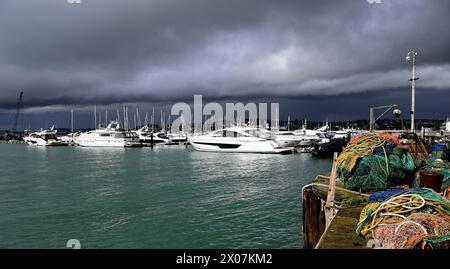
point(375, 172)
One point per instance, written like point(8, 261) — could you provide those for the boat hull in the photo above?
point(108, 143)
point(42, 142)
point(262, 147)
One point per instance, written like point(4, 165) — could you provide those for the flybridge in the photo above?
point(235, 114)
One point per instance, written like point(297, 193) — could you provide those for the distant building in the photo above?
point(447, 125)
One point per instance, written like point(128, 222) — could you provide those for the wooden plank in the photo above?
point(313, 219)
point(320, 187)
point(329, 205)
point(341, 232)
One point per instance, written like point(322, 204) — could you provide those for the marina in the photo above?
point(239, 129)
point(226, 166)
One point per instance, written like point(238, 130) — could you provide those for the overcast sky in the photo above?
point(115, 51)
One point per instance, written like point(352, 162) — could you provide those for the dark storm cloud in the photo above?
point(115, 51)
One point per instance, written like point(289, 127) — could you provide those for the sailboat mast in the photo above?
point(138, 117)
point(95, 116)
point(289, 122)
point(71, 122)
point(168, 125)
point(124, 117)
point(162, 120)
point(153, 119)
point(125, 121)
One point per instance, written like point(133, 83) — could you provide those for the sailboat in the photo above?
point(69, 139)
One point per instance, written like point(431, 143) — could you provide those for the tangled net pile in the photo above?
point(361, 146)
point(412, 218)
point(374, 161)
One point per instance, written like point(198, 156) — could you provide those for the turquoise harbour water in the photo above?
point(167, 197)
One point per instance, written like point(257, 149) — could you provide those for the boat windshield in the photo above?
point(163, 136)
point(258, 133)
point(50, 137)
point(227, 133)
point(119, 135)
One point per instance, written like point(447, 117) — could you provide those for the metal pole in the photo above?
point(412, 56)
point(95, 116)
point(413, 89)
point(372, 119)
point(71, 122)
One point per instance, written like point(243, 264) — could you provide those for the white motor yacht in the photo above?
point(341, 134)
point(178, 137)
point(43, 138)
point(111, 136)
point(70, 138)
point(287, 138)
point(148, 138)
point(238, 140)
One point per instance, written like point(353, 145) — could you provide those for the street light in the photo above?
point(395, 110)
point(412, 57)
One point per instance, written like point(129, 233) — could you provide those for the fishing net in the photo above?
point(405, 217)
point(374, 161)
point(438, 242)
point(387, 148)
point(360, 146)
point(416, 148)
point(376, 172)
point(417, 229)
point(370, 174)
point(438, 151)
point(381, 196)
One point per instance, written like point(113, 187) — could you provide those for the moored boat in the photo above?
point(111, 136)
point(43, 138)
point(238, 140)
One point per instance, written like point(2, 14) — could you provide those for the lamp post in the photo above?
point(397, 112)
point(412, 57)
